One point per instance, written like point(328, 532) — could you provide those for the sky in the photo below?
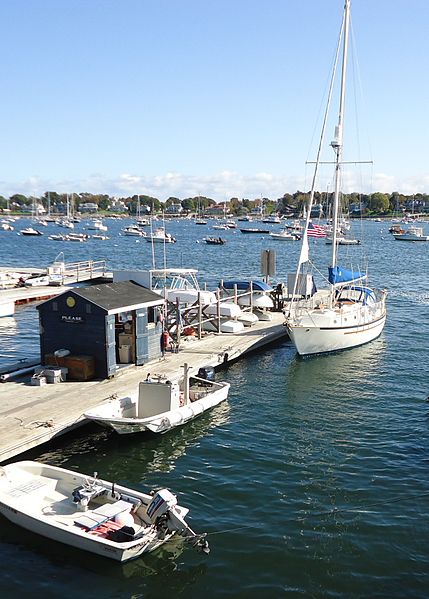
point(221, 98)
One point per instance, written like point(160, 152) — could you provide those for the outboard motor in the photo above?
point(162, 501)
point(207, 373)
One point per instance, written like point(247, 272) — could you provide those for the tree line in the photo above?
point(366, 204)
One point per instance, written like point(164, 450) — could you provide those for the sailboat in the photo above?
point(348, 313)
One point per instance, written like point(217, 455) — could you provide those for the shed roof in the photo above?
point(118, 297)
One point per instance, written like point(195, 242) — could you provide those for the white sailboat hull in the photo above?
point(317, 335)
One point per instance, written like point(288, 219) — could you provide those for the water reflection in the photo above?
point(132, 458)
point(341, 372)
point(165, 562)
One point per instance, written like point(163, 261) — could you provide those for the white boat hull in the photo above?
point(409, 237)
point(7, 308)
point(161, 423)
point(310, 339)
point(67, 507)
point(259, 300)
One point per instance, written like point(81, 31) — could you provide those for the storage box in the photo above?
point(80, 368)
point(53, 374)
point(38, 380)
point(124, 354)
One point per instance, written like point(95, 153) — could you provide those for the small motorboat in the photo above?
point(89, 513)
point(214, 240)
point(343, 241)
point(77, 237)
point(6, 227)
point(160, 236)
point(133, 231)
point(58, 237)
point(37, 281)
point(160, 405)
point(30, 231)
point(100, 236)
point(255, 231)
point(411, 234)
point(284, 235)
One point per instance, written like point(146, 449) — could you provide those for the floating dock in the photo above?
point(32, 415)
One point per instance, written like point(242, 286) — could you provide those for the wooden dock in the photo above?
point(68, 274)
point(31, 415)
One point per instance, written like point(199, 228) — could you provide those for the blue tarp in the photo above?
point(245, 285)
point(337, 274)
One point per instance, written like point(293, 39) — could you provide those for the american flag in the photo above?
point(315, 231)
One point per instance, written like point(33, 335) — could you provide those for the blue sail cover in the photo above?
point(244, 285)
point(342, 275)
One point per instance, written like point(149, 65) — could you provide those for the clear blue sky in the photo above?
point(218, 97)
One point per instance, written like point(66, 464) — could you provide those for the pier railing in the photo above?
point(79, 271)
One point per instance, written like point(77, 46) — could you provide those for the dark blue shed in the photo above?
point(116, 323)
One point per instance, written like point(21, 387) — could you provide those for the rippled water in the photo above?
point(311, 480)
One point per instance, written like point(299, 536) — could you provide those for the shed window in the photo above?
point(54, 306)
point(151, 315)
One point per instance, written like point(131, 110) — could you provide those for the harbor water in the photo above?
point(311, 480)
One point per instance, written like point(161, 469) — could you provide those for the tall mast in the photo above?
point(337, 144)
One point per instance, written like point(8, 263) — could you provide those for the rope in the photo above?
point(365, 508)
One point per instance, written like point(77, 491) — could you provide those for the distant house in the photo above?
point(357, 207)
point(88, 207)
point(37, 209)
point(174, 208)
point(118, 206)
point(217, 209)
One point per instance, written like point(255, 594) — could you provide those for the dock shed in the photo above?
point(112, 324)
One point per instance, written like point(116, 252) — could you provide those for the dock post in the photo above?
point(178, 323)
point(235, 293)
point(185, 384)
point(251, 296)
point(200, 315)
point(218, 310)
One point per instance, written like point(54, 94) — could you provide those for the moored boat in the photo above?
point(348, 313)
point(255, 231)
point(91, 514)
point(411, 234)
point(161, 405)
point(31, 231)
point(284, 235)
point(160, 235)
point(214, 240)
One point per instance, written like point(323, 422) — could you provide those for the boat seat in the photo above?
point(93, 518)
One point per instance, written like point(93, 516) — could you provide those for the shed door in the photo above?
point(142, 344)
point(111, 345)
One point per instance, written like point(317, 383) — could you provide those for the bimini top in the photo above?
point(245, 285)
point(338, 275)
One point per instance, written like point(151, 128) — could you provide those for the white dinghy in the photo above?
point(91, 514)
point(159, 406)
